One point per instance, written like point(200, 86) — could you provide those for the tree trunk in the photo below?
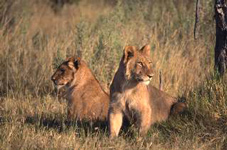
point(221, 36)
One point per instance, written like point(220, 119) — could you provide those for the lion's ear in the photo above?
point(73, 62)
point(70, 62)
point(70, 59)
point(77, 62)
point(129, 52)
point(146, 49)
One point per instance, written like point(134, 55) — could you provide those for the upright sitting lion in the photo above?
point(132, 96)
point(86, 98)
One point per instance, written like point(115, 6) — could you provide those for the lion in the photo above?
point(86, 98)
point(132, 96)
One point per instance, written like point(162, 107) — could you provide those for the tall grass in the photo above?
point(30, 45)
point(35, 37)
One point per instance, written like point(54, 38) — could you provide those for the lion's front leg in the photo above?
point(115, 123)
point(70, 114)
point(70, 111)
point(144, 121)
point(115, 118)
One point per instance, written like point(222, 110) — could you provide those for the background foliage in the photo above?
point(37, 35)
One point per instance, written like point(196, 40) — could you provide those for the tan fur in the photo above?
point(132, 96)
point(86, 98)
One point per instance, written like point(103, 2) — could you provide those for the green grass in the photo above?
point(37, 39)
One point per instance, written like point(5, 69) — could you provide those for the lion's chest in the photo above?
point(134, 103)
point(134, 99)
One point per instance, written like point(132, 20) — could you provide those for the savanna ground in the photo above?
point(36, 35)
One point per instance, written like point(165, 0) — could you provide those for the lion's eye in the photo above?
point(150, 62)
point(62, 70)
point(140, 64)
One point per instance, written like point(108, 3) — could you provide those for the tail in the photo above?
point(178, 107)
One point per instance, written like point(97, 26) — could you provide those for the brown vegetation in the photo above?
point(34, 39)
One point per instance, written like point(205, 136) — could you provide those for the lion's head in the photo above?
point(137, 64)
point(65, 73)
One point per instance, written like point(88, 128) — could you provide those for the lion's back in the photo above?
point(90, 102)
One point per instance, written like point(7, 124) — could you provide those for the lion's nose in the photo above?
point(53, 79)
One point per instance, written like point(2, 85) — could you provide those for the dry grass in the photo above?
point(34, 39)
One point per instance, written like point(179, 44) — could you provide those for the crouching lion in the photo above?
point(132, 96)
point(86, 98)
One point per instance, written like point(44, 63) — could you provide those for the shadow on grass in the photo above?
point(61, 124)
